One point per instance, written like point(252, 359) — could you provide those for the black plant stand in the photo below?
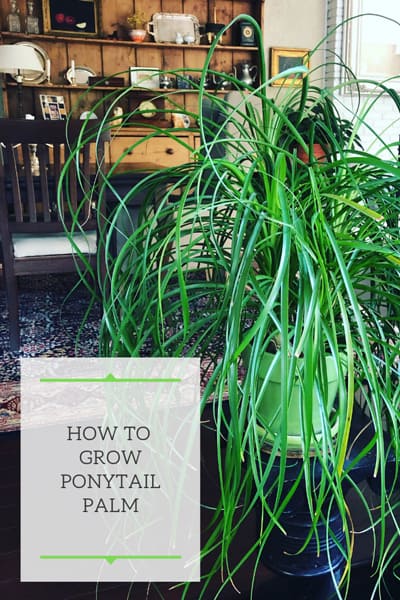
point(311, 575)
point(319, 587)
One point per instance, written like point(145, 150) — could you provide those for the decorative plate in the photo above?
point(149, 109)
point(34, 76)
point(82, 75)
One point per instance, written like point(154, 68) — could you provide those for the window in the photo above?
point(370, 46)
point(373, 41)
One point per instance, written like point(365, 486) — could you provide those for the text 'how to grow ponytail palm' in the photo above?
point(269, 267)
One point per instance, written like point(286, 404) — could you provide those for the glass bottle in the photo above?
point(13, 18)
point(31, 21)
point(35, 165)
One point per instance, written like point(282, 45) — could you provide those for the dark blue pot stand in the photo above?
point(311, 575)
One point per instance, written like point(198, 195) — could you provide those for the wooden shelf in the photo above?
point(106, 41)
point(107, 57)
point(103, 88)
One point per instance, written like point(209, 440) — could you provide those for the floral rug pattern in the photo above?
point(50, 319)
point(9, 406)
point(51, 326)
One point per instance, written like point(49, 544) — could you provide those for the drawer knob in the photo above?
point(169, 151)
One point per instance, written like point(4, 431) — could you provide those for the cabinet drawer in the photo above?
point(160, 151)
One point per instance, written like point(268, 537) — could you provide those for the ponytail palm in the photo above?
point(249, 250)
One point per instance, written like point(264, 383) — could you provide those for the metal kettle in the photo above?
point(247, 73)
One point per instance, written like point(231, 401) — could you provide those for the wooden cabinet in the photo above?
point(107, 56)
point(128, 147)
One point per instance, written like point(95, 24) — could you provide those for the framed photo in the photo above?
point(71, 17)
point(287, 58)
point(53, 107)
point(144, 77)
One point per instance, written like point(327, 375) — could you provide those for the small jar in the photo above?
point(13, 18)
point(31, 20)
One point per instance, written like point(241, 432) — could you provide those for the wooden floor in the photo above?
point(268, 586)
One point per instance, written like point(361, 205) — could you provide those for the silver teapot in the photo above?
point(220, 82)
point(247, 73)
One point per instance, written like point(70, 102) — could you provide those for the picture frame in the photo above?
point(71, 17)
point(286, 58)
point(53, 107)
point(144, 77)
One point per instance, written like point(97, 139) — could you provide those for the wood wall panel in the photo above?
point(193, 58)
point(172, 6)
point(85, 56)
point(197, 8)
point(192, 103)
point(114, 11)
point(144, 58)
point(117, 59)
point(107, 57)
point(59, 60)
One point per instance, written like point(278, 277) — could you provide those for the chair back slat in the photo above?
point(31, 192)
point(28, 177)
point(42, 154)
point(72, 196)
point(12, 171)
point(57, 159)
point(85, 178)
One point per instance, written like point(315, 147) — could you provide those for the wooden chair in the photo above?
point(33, 217)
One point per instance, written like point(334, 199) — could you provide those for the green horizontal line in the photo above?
point(110, 559)
point(110, 378)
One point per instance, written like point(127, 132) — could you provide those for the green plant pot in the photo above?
point(270, 407)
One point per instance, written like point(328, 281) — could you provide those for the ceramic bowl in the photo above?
point(137, 35)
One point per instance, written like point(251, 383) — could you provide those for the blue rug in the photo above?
point(50, 320)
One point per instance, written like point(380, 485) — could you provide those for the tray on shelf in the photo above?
point(164, 27)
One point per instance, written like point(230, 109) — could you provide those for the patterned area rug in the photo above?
point(51, 313)
point(52, 309)
point(9, 406)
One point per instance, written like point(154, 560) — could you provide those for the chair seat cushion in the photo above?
point(26, 244)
